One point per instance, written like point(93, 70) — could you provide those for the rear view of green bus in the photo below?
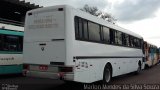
point(11, 45)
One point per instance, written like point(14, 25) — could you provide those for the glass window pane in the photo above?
point(11, 43)
point(126, 40)
point(1, 42)
point(85, 26)
point(94, 31)
point(118, 38)
point(20, 46)
point(80, 29)
point(106, 34)
point(112, 36)
point(76, 28)
point(131, 41)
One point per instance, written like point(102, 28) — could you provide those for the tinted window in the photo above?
point(89, 31)
point(1, 42)
point(85, 28)
point(94, 31)
point(80, 28)
point(112, 36)
point(131, 41)
point(76, 27)
point(125, 40)
point(118, 38)
point(12, 43)
point(106, 35)
point(20, 47)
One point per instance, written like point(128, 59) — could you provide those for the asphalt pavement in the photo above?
point(147, 79)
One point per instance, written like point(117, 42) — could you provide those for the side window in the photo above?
point(131, 41)
point(11, 43)
point(112, 36)
point(76, 21)
point(125, 39)
point(20, 44)
point(94, 31)
point(139, 43)
point(81, 28)
point(85, 28)
point(89, 31)
point(1, 42)
point(106, 35)
point(118, 38)
point(135, 42)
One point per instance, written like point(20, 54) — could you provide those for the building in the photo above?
point(13, 11)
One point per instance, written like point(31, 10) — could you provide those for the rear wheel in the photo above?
point(107, 74)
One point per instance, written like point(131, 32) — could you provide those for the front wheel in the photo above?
point(138, 69)
point(107, 74)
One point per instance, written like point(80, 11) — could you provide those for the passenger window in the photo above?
point(131, 39)
point(80, 28)
point(94, 31)
point(85, 28)
point(11, 43)
point(112, 36)
point(126, 40)
point(20, 44)
point(106, 35)
point(1, 42)
point(118, 38)
point(76, 27)
point(89, 31)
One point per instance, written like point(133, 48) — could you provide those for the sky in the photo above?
point(139, 16)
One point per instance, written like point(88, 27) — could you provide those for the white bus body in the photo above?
point(52, 51)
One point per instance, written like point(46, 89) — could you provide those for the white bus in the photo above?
point(11, 45)
point(67, 43)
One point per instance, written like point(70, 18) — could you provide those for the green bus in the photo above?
point(11, 47)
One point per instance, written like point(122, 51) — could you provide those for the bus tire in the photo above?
point(107, 74)
point(139, 68)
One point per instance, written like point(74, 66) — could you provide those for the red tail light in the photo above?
point(43, 67)
point(26, 66)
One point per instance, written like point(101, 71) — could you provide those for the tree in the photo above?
point(96, 12)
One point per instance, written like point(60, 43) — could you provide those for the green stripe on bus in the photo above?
point(11, 32)
point(11, 69)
